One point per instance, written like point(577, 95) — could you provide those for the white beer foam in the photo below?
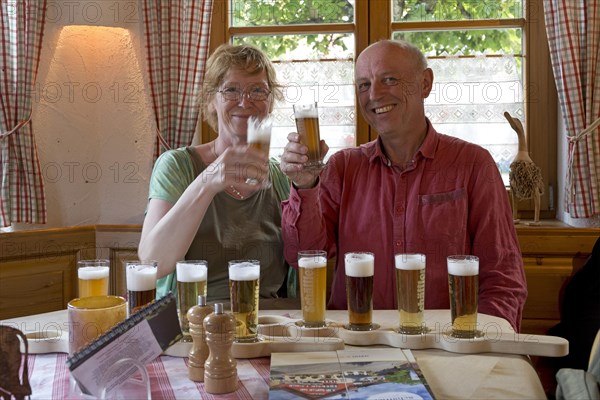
point(259, 131)
point(300, 112)
point(89, 273)
point(188, 272)
point(410, 261)
point(360, 264)
point(244, 272)
point(141, 278)
point(312, 262)
point(463, 267)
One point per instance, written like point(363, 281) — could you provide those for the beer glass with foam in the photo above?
point(244, 280)
point(410, 291)
point(191, 283)
point(312, 267)
point(93, 277)
point(141, 283)
point(259, 137)
point(463, 283)
point(307, 124)
point(360, 268)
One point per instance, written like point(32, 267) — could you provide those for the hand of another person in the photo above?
point(238, 166)
point(293, 159)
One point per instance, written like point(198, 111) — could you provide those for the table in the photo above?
point(450, 375)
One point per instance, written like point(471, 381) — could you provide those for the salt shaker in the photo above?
point(199, 350)
point(220, 369)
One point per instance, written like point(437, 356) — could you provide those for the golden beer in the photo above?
point(93, 280)
point(90, 317)
point(410, 292)
point(360, 268)
point(312, 268)
point(244, 284)
point(307, 124)
point(141, 284)
point(463, 283)
point(191, 283)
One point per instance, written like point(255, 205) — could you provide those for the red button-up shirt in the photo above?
point(450, 200)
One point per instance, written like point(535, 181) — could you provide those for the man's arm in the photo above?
point(502, 285)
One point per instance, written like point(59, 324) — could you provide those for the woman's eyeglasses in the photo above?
point(253, 93)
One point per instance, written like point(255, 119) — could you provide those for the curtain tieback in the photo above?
point(16, 128)
point(573, 141)
point(162, 140)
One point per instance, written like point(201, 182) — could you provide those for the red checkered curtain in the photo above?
point(177, 40)
point(573, 28)
point(21, 186)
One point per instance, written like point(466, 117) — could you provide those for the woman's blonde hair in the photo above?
point(243, 57)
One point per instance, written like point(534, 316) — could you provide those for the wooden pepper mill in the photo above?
point(199, 351)
point(220, 369)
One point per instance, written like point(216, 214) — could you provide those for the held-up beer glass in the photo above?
point(244, 279)
point(191, 283)
point(307, 124)
point(259, 137)
point(410, 291)
point(141, 283)
point(360, 268)
point(463, 283)
point(312, 266)
point(93, 277)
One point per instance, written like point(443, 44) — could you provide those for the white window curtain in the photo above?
point(22, 197)
point(573, 28)
point(177, 41)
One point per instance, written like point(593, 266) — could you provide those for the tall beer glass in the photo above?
point(93, 277)
point(259, 137)
point(307, 124)
point(141, 283)
point(463, 283)
point(360, 268)
point(244, 279)
point(410, 291)
point(312, 266)
point(191, 283)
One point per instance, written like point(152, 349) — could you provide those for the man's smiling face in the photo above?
point(391, 88)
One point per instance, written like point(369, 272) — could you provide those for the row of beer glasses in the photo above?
point(359, 267)
point(463, 284)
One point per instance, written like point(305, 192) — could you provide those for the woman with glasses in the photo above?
point(204, 200)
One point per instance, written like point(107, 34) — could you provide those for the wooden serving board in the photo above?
point(280, 333)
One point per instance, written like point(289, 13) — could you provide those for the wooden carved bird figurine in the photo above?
point(525, 177)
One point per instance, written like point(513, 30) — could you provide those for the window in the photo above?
point(481, 52)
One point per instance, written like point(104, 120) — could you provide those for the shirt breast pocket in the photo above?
point(443, 216)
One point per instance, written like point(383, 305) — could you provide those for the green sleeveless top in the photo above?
point(232, 229)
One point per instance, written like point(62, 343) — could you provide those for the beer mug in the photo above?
point(141, 283)
point(463, 283)
point(312, 267)
point(93, 277)
point(191, 283)
point(259, 137)
point(307, 124)
point(410, 291)
point(360, 268)
point(244, 279)
point(90, 317)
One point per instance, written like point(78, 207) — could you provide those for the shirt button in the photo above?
point(398, 243)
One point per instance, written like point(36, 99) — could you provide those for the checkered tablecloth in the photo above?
point(50, 379)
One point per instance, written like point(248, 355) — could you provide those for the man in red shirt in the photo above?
point(412, 190)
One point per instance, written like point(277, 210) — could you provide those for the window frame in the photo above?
point(373, 22)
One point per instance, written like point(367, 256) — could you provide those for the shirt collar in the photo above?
point(374, 149)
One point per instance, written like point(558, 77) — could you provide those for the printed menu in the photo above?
point(391, 374)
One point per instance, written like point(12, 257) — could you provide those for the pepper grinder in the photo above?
point(199, 350)
point(220, 369)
